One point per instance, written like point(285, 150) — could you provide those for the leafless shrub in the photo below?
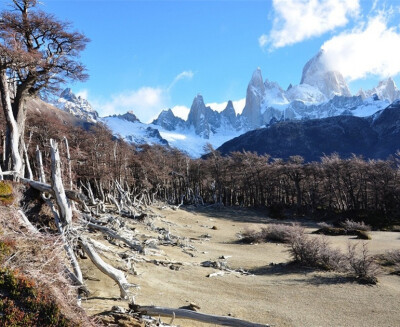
point(328, 257)
point(361, 265)
point(354, 225)
point(281, 233)
point(314, 252)
point(392, 258)
point(250, 236)
point(323, 224)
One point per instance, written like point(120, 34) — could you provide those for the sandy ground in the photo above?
point(274, 294)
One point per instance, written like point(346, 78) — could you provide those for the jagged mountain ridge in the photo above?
point(317, 73)
point(322, 93)
point(373, 137)
point(76, 106)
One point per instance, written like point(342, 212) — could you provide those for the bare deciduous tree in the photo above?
point(37, 53)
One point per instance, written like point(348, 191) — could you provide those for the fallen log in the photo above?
point(116, 236)
point(193, 315)
point(115, 274)
point(43, 187)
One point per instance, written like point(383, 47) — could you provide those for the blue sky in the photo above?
point(147, 56)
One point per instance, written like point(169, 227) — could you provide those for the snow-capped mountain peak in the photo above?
point(322, 93)
point(254, 98)
point(386, 90)
point(167, 120)
point(317, 73)
point(129, 116)
point(68, 95)
point(76, 106)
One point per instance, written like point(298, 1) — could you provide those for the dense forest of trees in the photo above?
point(333, 187)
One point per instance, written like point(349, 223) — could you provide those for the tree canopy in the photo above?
point(37, 53)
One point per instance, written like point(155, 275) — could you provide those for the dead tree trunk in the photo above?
point(13, 131)
point(193, 315)
point(40, 169)
point(27, 163)
point(115, 274)
point(64, 205)
point(69, 163)
point(77, 275)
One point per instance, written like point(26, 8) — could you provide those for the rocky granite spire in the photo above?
point(254, 98)
point(317, 73)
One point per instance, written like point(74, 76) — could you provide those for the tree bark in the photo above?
point(69, 163)
point(12, 126)
point(63, 203)
point(40, 169)
point(27, 163)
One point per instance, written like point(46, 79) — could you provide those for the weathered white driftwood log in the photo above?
point(111, 233)
point(43, 187)
point(115, 274)
point(193, 315)
point(28, 225)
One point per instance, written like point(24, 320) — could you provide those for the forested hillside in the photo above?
point(332, 186)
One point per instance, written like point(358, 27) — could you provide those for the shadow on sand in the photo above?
point(103, 298)
point(286, 269)
point(235, 214)
point(246, 215)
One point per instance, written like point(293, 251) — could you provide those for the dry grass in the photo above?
point(41, 259)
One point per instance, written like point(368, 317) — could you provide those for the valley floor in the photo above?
point(273, 293)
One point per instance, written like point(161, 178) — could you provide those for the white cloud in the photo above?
point(263, 40)
point(371, 48)
point(298, 20)
point(187, 74)
point(238, 105)
point(181, 111)
point(145, 102)
point(83, 93)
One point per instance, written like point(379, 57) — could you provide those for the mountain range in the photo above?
point(373, 137)
point(322, 93)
